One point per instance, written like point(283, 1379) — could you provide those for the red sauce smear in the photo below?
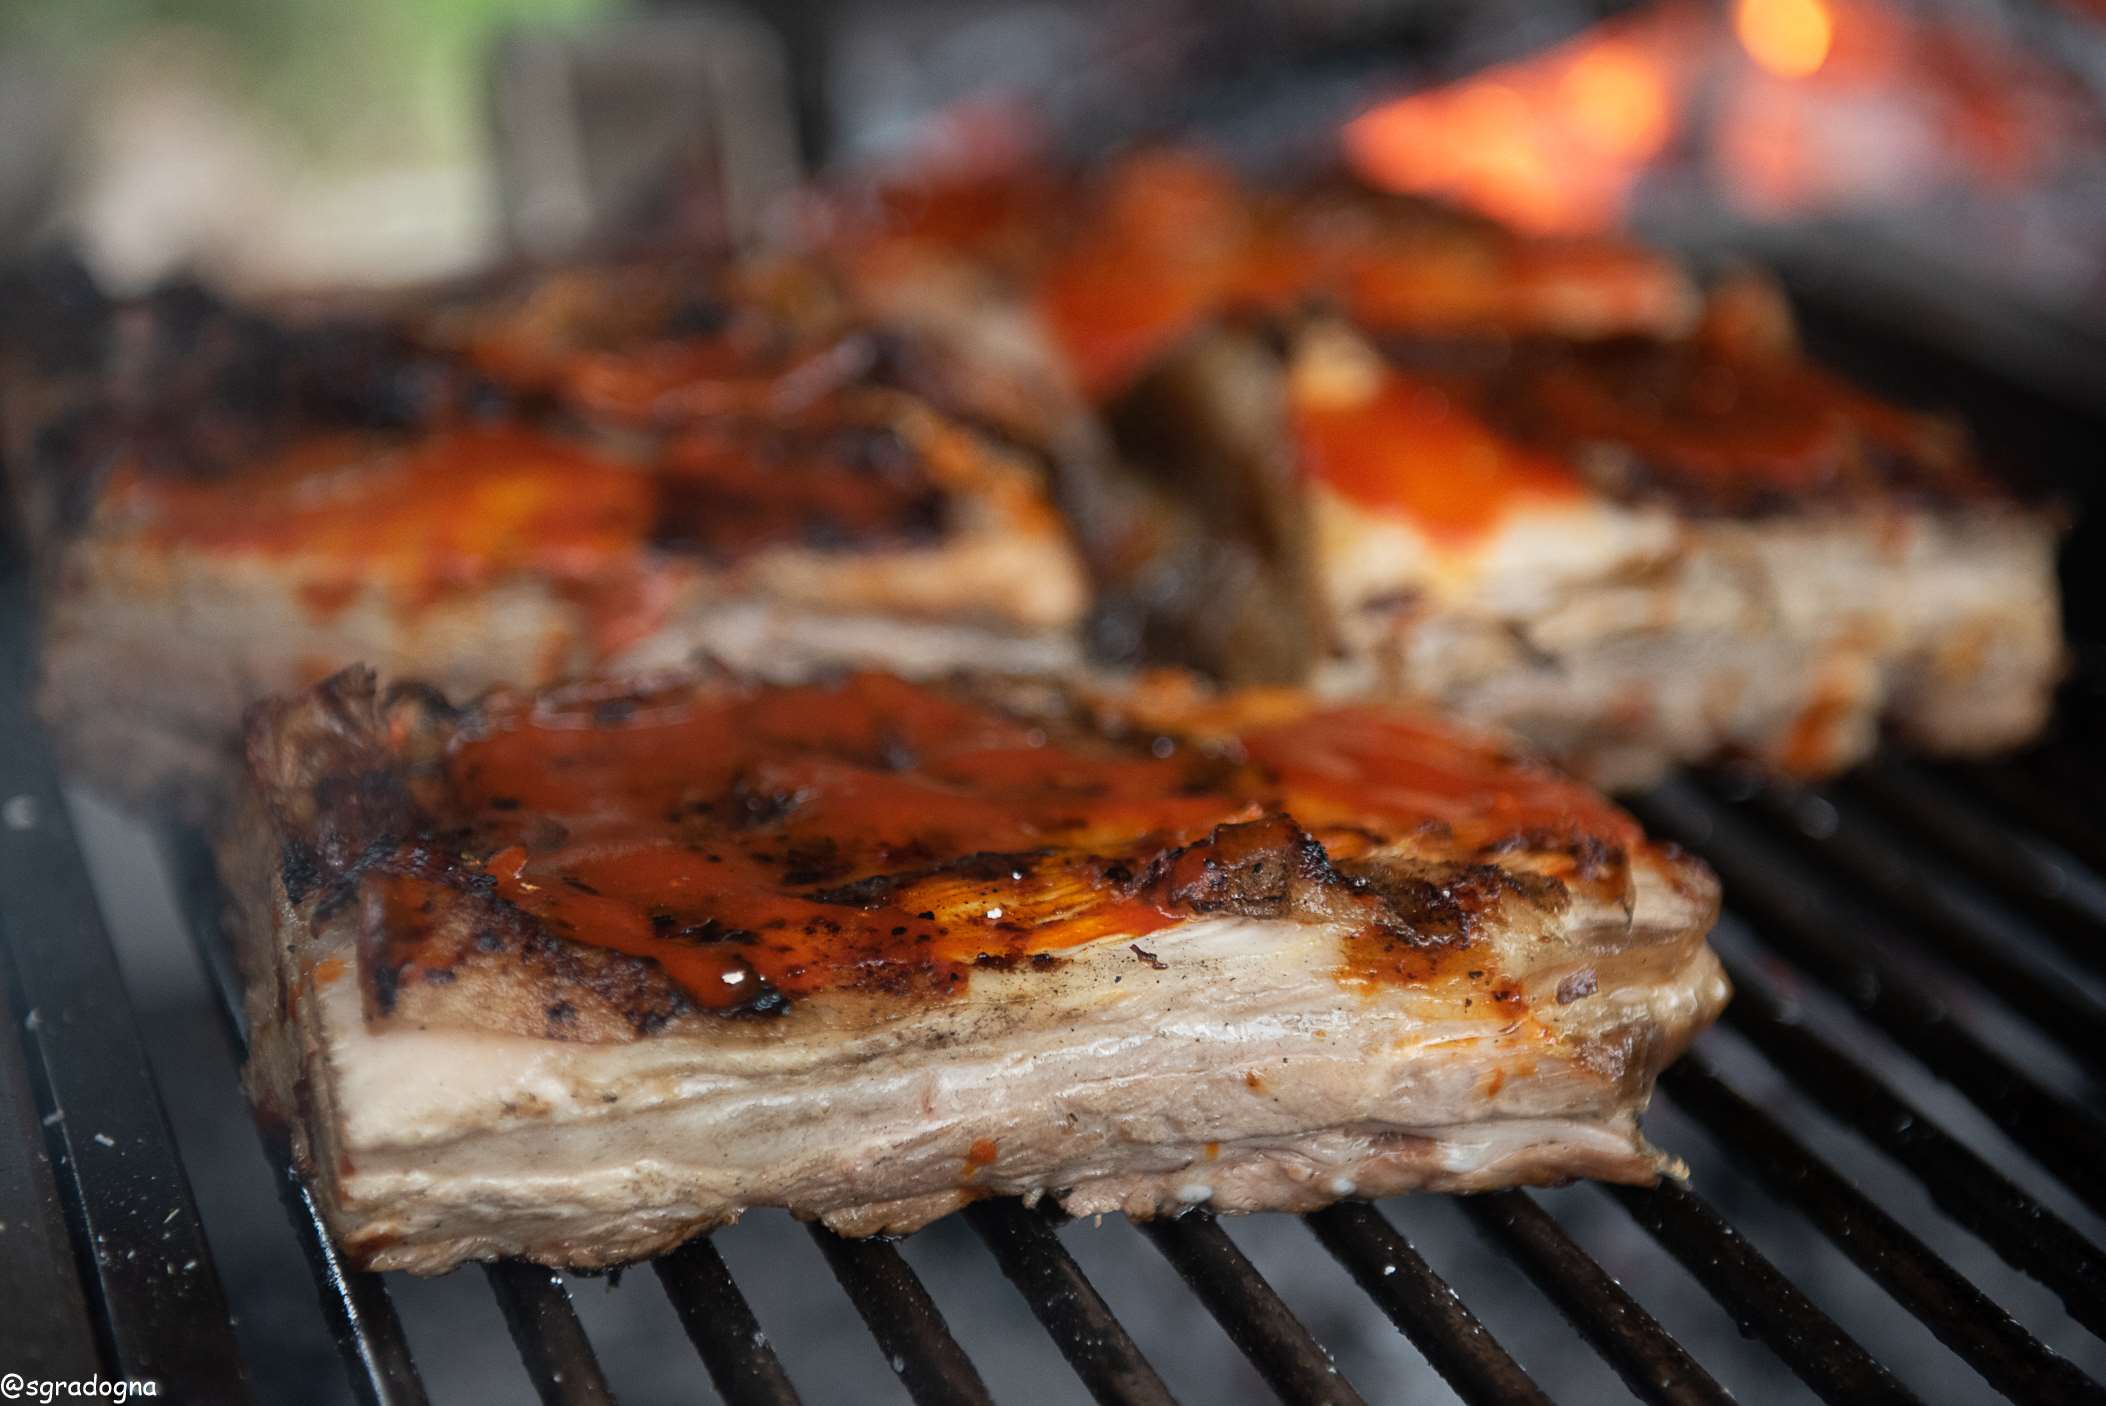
point(1170, 239)
point(1732, 420)
point(420, 519)
point(885, 836)
point(1159, 251)
point(1411, 451)
point(457, 508)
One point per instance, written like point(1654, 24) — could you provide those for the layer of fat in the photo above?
point(1520, 564)
point(772, 639)
point(435, 1143)
point(1622, 640)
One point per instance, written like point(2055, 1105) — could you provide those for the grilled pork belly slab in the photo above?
point(1635, 554)
point(1116, 265)
point(578, 974)
point(520, 487)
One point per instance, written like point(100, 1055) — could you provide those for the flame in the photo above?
point(1552, 144)
point(1556, 143)
point(1790, 38)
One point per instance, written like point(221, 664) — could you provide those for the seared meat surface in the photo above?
point(575, 975)
point(522, 485)
point(1635, 554)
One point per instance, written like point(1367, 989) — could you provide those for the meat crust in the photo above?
point(521, 486)
point(1635, 556)
point(576, 975)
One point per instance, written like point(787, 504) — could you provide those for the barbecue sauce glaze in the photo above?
point(761, 844)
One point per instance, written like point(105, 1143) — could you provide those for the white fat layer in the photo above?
point(1099, 1073)
point(1622, 639)
point(770, 639)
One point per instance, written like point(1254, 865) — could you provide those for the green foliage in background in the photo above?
point(352, 80)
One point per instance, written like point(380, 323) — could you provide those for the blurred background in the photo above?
point(1928, 169)
point(1946, 158)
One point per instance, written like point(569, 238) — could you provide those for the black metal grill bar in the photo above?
point(721, 1325)
point(1422, 1306)
point(1292, 1362)
point(45, 1332)
point(2066, 1140)
point(1651, 1362)
point(1761, 1300)
point(137, 1240)
point(545, 1328)
point(355, 1304)
point(2054, 1006)
point(2029, 1236)
point(1075, 1315)
point(1915, 803)
point(908, 1326)
point(1960, 1315)
point(2031, 789)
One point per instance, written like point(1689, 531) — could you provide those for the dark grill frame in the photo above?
point(106, 1255)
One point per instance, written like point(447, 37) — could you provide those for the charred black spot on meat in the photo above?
point(814, 861)
point(383, 983)
point(835, 487)
point(697, 315)
point(613, 712)
point(1590, 856)
point(753, 805)
point(299, 869)
point(988, 866)
point(205, 387)
point(1254, 869)
point(1443, 904)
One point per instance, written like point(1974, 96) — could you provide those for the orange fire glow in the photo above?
point(1551, 144)
point(1790, 38)
point(1804, 104)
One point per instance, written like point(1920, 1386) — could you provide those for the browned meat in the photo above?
point(1634, 554)
point(577, 975)
point(522, 487)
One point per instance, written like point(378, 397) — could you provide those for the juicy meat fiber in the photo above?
point(579, 974)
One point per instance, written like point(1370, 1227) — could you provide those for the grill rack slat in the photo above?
point(48, 1334)
point(2065, 1139)
point(2026, 790)
point(1250, 1311)
point(1080, 1323)
point(2030, 1237)
point(147, 1268)
point(905, 1321)
point(356, 1305)
point(1423, 1307)
point(545, 1328)
point(1759, 1297)
point(559, 1356)
point(746, 1369)
point(2057, 1009)
point(720, 1323)
point(1918, 805)
point(1654, 1365)
point(1962, 1317)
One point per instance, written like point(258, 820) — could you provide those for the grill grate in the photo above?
point(1795, 866)
point(1942, 908)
